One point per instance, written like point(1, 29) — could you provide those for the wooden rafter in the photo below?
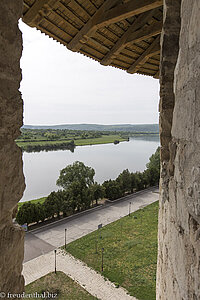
point(139, 22)
point(121, 33)
point(35, 9)
point(157, 75)
point(71, 14)
point(127, 10)
point(106, 14)
point(152, 50)
point(145, 32)
point(90, 27)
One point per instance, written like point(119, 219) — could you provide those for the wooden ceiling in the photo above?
point(121, 33)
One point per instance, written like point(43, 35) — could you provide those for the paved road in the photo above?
point(44, 240)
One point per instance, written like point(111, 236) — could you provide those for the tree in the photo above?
point(112, 189)
point(26, 213)
point(77, 172)
point(63, 203)
point(124, 180)
point(153, 168)
point(97, 192)
point(139, 181)
point(50, 205)
point(133, 181)
point(39, 212)
point(67, 204)
point(154, 160)
point(58, 199)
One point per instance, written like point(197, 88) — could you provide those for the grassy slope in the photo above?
point(60, 284)
point(130, 252)
point(41, 200)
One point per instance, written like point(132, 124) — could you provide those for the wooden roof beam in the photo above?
point(120, 44)
point(90, 27)
point(145, 33)
point(39, 6)
point(157, 75)
point(127, 10)
point(152, 50)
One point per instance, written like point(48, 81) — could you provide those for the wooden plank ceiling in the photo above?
point(121, 33)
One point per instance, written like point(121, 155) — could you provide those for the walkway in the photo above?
point(90, 280)
point(45, 239)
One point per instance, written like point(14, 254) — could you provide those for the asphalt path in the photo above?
point(49, 237)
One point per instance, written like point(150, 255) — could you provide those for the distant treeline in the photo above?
point(35, 140)
point(80, 191)
point(32, 135)
point(154, 128)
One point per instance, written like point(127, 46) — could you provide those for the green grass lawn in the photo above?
point(101, 140)
point(130, 252)
point(41, 200)
point(60, 284)
point(78, 142)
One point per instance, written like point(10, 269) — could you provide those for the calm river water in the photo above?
point(41, 169)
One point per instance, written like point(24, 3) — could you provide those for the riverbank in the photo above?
point(38, 145)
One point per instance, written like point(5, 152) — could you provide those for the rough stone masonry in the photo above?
point(11, 174)
point(178, 272)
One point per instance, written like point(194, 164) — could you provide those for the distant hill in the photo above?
point(97, 127)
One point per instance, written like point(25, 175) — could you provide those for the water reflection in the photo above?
point(42, 169)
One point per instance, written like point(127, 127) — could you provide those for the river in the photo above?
point(41, 169)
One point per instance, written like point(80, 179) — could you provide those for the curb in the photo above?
point(88, 211)
point(72, 217)
point(130, 196)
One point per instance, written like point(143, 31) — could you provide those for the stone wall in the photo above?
point(11, 175)
point(178, 273)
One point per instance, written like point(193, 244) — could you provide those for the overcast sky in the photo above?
point(62, 87)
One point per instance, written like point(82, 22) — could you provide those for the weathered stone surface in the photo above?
point(178, 272)
point(11, 175)
point(12, 254)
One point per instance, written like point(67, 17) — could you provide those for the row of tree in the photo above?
point(28, 135)
point(79, 191)
point(70, 145)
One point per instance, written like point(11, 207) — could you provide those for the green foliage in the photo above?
point(153, 168)
point(77, 173)
point(112, 189)
point(41, 212)
point(97, 192)
point(124, 181)
point(128, 182)
point(35, 140)
point(154, 160)
point(26, 213)
point(80, 191)
point(40, 200)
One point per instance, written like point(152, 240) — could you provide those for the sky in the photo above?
point(62, 87)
